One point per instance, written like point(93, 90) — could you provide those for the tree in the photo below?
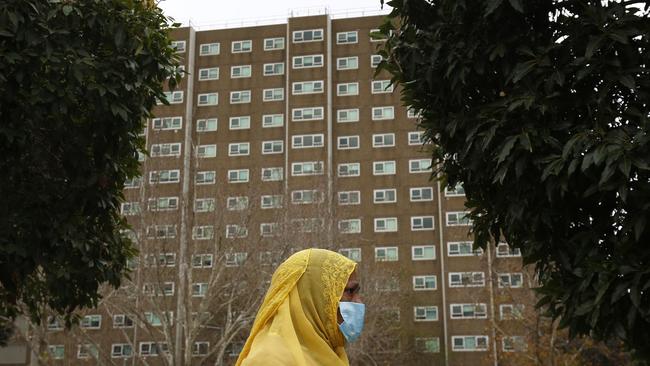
point(540, 109)
point(77, 80)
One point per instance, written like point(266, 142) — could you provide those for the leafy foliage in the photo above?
point(540, 108)
point(77, 80)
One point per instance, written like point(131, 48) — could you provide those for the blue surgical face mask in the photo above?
point(353, 314)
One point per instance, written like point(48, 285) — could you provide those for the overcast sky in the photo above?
point(207, 12)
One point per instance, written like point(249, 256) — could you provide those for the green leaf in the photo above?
point(517, 5)
point(67, 9)
point(491, 6)
point(522, 69)
point(627, 81)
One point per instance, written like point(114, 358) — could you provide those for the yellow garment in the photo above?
point(297, 322)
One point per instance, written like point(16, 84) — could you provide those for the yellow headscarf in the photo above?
point(297, 322)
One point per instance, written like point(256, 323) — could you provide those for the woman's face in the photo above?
point(350, 293)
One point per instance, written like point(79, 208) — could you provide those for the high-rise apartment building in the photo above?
point(281, 137)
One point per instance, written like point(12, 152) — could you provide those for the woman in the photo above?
point(300, 322)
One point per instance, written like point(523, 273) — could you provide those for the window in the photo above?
point(504, 250)
point(511, 311)
point(382, 113)
point(134, 182)
point(303, 62)
point(163, 204)
point(153, 348)
point(239, 149)
point(308, 225)
point(173, 97)
point(455, 191)
point(205, 177)
point(204, 205)
point(307, 141)
point(462, 249)
point(271, 201)
point(167, 123)
point(420, 194)
point(273, 43)
point(240, 96)
point(272, 120)
point(419, 223)
point(415, 138)
point(513, 344)
point(307, 168)
point(389, 316)
point(179, 46)
point(386, 284)
point(156, 319)
point(349, 170)
point(164, 176)
point(348, 142)
point(240, 71)
point(200, 348)
point(469, 343)
point(272, 147)
point(199, 289)
point(307, 87)
point(423, 252)
point(375, 60)
point(347, 37)
point(458, 218)
point(377, 36)
point(54, 323)
point(269, 229)
point(202, 260)
point(237, 203)
point(386, 254)
point(121, 350)
point(274, 94)
point(161, 232)
point(206, 151)
point(351, 253)
point(208, 99)
point(238, 176)
point(206, 49)
point(235, 231)
point(412, 113)
point(310, 35)
point(349, 198)
point(165, 150)
point(160, 260)
point(205, 232)
point(240, 123)
point(351, 226)
point(425, 313)
point(468, 311)
point(381, 86)
point(386, 224)
point(347, 115)
point(344, 89)
point(206, 125)
point(306, 196)
point(427, 344)
point(87, 351)
point(383, 140)
point(513, 280)
point(383, 167)
point(385, 195)
point(347, 63)
point(211, 73)
point(130, 208)
point(56, 351)
point(272, 174)
point(466, 279)
point(276, 68)
point(424, 283)
point(123, 321)
point(242, 46)
point(91, 322)
point(420, 166)
point(307, 114)
point(236, 259)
